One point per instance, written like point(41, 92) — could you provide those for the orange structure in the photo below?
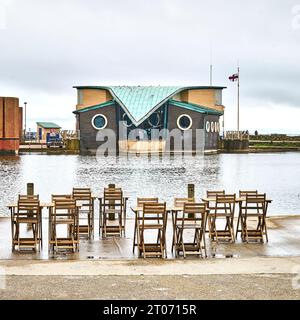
point(11, 125)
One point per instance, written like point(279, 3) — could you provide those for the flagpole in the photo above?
point(238, 106)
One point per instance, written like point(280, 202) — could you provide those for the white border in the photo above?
point(179, 118)
point(97, 115)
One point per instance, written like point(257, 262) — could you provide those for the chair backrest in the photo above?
point(83, 194)
point(244, 193)
point(29, 197)
point(60, 197)
point(225, 204)
point(65, 208)
point(179, 202)
point(141, 201)
point(28, 207)
point(154, 213)
point(256, 204)
point(113, 195)
point(193, 213)
point(214, 194)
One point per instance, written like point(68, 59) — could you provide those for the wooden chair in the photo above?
point(64, 213)
point(256, 209)
point(152, 219)
point(223, 209)
point(214, 194)
point(242, 196)
point(139, 204)
point(28, 213)
point(178, 204)
point(113, 210)
point(83, 196)
point(60, 197)
point(28, 197)
point(191, 220)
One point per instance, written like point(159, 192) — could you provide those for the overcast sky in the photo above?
point(47, 47)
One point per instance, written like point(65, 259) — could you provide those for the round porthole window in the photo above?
point(184, 122)
point(127, 121)
point(212, 127)
point(154, 120)
point(99, 121)
point(207, 126)
point(217, 126)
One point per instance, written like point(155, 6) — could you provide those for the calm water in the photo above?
point(276, 174)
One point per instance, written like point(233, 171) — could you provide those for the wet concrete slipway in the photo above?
point(108, 269)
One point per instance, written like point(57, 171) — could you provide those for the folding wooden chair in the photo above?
point(28, 213)
point(113, 206)
point(214, 194)
point(178, 204)
point(64, 214)
point(83, 196)
point(139, 204)
point(223, 209)
point(152, 219)
point(255, 209)
point(190, 224)
point(242, 196)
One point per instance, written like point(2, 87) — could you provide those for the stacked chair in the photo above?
point(83, 196)
point(64, 215)
point(152, 222)
point(189, 230)
point(255, 209)
point(242, 195)
point(140, 204)
point(222, 210)
point(28, 214)
point(113, 210)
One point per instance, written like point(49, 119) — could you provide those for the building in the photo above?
point(11, 125)
point(44, 129)
point(146, 108)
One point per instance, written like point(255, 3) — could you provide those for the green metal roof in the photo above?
point(140, 101)
point(95, 107)
point(48, 125)
point(194, 107)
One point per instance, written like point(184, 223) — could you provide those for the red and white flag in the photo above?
point(234, 77)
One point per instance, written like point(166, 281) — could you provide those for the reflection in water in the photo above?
point(276, 174)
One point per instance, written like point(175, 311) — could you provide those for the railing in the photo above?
point(237, 135)
point(70, 134)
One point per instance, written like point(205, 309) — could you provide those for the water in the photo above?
point(277, 174)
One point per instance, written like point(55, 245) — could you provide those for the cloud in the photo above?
point(49, 46)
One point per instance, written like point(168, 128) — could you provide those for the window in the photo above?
point(127, 121)
point(207, 126)
point(184, 122)
point(212, 127)
point(99, 122)
point(154, 120)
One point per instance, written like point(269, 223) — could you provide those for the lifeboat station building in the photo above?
point(146, 108)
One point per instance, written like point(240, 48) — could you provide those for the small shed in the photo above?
point(46, 128)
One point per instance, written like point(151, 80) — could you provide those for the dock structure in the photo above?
point(11, 125)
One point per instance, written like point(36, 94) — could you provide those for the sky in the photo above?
point(47, 47)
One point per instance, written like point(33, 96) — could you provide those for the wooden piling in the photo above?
point(112, 204)
point(191, 195)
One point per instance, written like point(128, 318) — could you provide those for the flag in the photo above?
point(234, 77)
